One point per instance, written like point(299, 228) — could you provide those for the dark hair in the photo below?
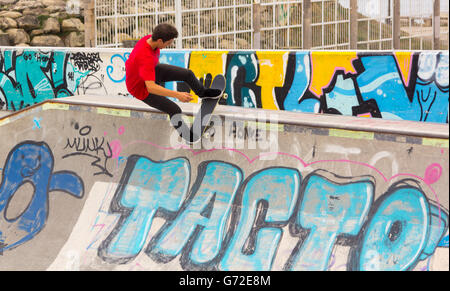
point(164, 31)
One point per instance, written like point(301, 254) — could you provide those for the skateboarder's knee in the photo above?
point(175, 112)
point(189, 74)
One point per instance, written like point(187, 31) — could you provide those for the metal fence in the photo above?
point(219, 24)
point(417, 24)
point(375, 25)
point(278, 24)
point(330, 25)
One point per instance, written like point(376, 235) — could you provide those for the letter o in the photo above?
point(397, 232)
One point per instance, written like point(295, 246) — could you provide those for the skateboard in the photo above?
point(202, 118)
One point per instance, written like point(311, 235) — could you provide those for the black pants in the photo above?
point(169, 73)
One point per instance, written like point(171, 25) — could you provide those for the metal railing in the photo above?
point(279, 24)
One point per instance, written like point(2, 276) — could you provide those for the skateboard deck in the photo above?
point(202, 118)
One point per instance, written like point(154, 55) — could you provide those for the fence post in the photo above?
point(436, 24)
point(179, 24)
point(353, 24)
point(256, 24)
point(306, 27)
point(396, 24)
point(89, 23)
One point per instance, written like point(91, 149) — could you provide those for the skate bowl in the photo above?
point(106, 184)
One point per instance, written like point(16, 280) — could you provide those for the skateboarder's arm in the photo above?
point(156, 89)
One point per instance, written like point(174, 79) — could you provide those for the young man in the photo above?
point(144, 76)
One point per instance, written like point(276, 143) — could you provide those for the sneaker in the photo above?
point(211, 94)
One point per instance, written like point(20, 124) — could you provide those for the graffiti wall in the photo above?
point(391, 85)
point(89, 188)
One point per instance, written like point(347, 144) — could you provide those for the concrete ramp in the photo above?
point(109, 186)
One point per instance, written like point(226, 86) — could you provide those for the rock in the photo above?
point(123, 36)
point(10, 14)
point(34, 11)
point(54, 9)
point(47, 40)
point(60, 15)
point(51, 26)
point(242, 43)
point(7, 22)
point(23, 4)
point(226, 44)
point(125, 24)
point(148, 6)
point(4, 39)
point(23, 44)
point(72, 24)
point(54, 5)
point(8, 2)
point(54, 2)
point(28, 22)
point(129, 9)
point(74, 39)
point(35, 32)
point(18, 35)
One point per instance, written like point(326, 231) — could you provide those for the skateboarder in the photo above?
point(144, 76)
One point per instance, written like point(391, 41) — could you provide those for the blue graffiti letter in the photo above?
point(203, 221)
point(328, 209)
point(396, 234)
point(268, 201)
point(145, 187)
point(31, 163)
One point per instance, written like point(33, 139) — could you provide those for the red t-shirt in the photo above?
point(140, 67)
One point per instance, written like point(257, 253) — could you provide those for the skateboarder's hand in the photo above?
point(184, 97)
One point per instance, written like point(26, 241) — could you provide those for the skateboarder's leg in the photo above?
point(173, 110)
point(169, 73)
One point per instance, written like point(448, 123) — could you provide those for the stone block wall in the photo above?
point(49, 23)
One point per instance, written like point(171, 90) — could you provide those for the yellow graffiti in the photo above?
point(351, 134)
point(203, 63)
point(57, 106)
point(272, 66)
point(436, 142)
point(114, 112)
point(404, 61)
point(324, 66)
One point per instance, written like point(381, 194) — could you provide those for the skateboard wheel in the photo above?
point(225, 96)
